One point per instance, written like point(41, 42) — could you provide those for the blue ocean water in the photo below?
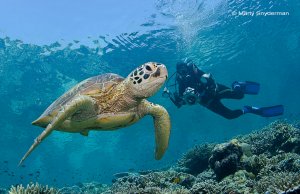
point(220, 36)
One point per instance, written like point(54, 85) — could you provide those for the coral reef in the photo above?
point(225, 159)
point(207, 186)
point(154, 182)
point(275, 138)
point(265, 161)
point(195, 161)
point(88, 188)
point(294, 190)
point(277, 182)
point(32, 189)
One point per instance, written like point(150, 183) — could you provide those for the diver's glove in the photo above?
point(173, 97)
point(166, 93)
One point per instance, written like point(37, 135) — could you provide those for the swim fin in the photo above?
point(246, 87)
point(270, 111)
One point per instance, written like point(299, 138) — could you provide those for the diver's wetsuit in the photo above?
point(214, 103)
point(210, 93)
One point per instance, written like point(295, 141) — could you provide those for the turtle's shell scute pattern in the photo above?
point(93, 85)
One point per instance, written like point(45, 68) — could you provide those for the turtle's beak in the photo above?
point(161, 72)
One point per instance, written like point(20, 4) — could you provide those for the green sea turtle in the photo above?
point(109, 102)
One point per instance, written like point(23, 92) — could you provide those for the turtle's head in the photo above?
point(146, 80)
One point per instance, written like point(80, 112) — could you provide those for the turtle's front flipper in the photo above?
point(162, 125)
point(79, 103)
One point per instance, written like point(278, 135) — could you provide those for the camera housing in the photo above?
point(190, 97)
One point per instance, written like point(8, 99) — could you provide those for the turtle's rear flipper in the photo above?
point(79, 103)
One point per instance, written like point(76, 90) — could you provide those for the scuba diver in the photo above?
point(193, 86)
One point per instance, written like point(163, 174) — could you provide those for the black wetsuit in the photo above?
point(210, 93)
point(214, 103)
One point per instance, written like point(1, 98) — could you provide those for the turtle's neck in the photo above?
point(123, 98)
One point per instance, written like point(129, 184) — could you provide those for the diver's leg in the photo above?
point(228, 93)
point(217, 107)
point(247, 87)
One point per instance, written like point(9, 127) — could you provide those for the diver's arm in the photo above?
point(176, 100)
point(206, 79)
point(199, 73)
point(206, 82)
point(209, 78)
point(173, 97)
point(203, 77)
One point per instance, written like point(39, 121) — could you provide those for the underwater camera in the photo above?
point(190, 97)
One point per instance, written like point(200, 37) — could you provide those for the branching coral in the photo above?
point(32, 189)
point(277, 182)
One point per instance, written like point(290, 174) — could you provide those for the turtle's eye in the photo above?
point(148, 68)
